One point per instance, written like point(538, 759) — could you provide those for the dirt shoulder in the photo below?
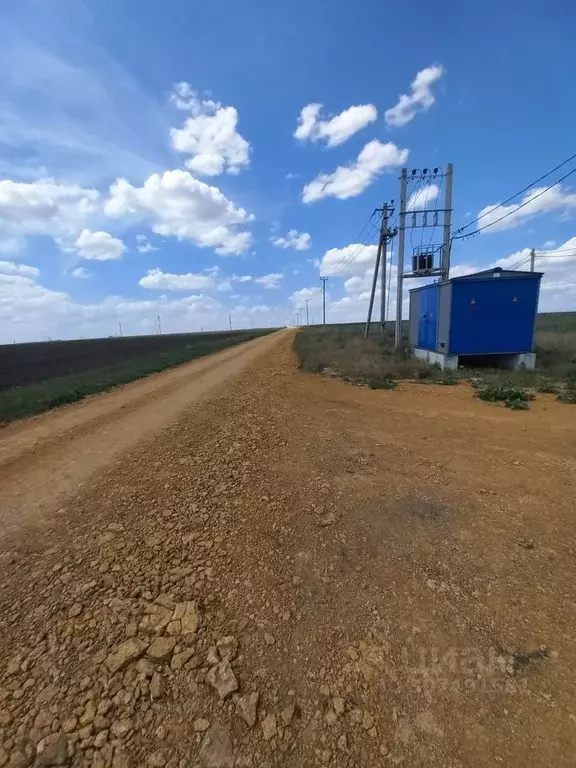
point(305, 573)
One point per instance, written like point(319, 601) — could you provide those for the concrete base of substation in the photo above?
point(514, 362)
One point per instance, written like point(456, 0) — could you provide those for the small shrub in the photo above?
point(377, 382)
point(548, 387)
point(568, 396)
point(503, 392)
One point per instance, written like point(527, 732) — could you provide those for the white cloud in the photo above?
point(420, 199)
point(299, 298)
point(349, 181)
point(270, 281)
point(11, 268)
point(81, 273)
point(164, 281)
point(45, 207)
point(143, 245)
point(420, 98)
point(209, 135)
point(242, 278)
point(338, 129)
point(99, 246)
point(350, 260)
point(549, 244)
point(538, 200)
point(178, 205)
point(300, 241)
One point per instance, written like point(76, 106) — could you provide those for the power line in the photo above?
point(347, 259)
point(500, 205)
point(519, 207)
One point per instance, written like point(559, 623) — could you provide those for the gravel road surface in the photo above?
point(239, 564)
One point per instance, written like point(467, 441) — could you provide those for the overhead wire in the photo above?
point(343, 263)
point(520, 192)
point(518, 207)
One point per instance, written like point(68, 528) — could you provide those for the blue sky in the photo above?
point(155, 158)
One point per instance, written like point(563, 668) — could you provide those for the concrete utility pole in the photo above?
point(384, 237)
point(401, 242)
point(384, 248)
point(159, 325)
point(307, 315)
point(323, 299)
point(532, 259)
point(229, 320)
point(120, 326)
point(446, 241)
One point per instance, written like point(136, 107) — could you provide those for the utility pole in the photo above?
point(384, 237)
point(307, 316)
point(447, 243)
point(230, 320)
point(159, 326)
point(323, 299)
point(401, 242)
point(120, 326)
point(373, 291)
point(301, 310)
point(532, 259)
point(384, 248)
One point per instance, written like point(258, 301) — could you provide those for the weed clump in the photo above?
point(502, 392)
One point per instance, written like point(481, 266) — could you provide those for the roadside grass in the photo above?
point(20, 402)
point(342, 351)
point(372, 362)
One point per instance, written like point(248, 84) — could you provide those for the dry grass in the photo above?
point(345, 353)
point(342, 351)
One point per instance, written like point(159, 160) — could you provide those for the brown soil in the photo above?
point(396, 567)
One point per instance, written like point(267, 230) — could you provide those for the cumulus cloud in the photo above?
point(422, 198)
point(350, 260)
point(419, 99)
point(23, 270)
point(538, 200)
point(44, 207)
point(351, 180)
point(99, 246)
point(178, 205)
point(270, 281)
point(300, 241)
point(164, 281)
point(338, 129)
point(209, 135)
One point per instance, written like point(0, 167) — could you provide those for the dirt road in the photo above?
point(63, 449)
point(298, 573)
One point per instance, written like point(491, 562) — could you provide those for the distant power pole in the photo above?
point(385, 236)
point(120, 326)
point(159, 325)
point(307, 315)
point(323, 299)
point(230, 320)
point(532, 259)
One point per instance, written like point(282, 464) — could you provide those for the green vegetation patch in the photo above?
point(504, 392)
